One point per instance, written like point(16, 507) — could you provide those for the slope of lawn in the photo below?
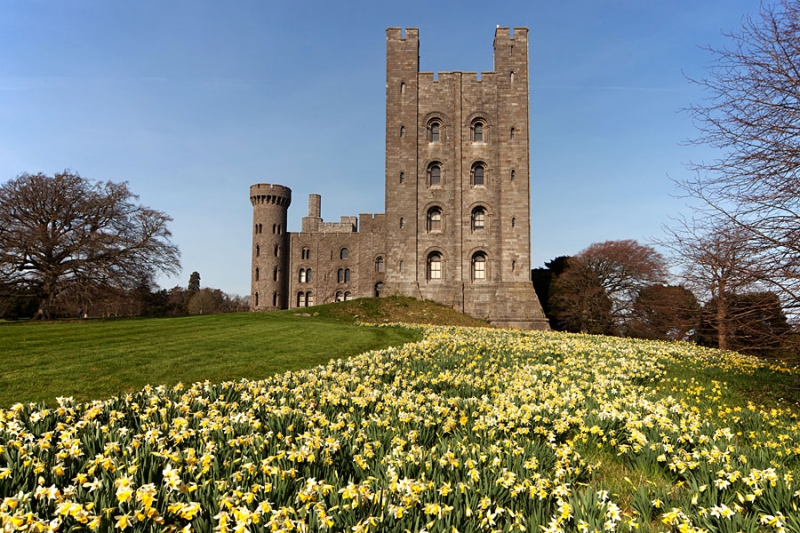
point(471, 428)
point(96, 359)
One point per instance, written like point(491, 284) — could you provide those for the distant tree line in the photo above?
point(620, 288)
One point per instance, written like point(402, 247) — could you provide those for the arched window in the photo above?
point(401, 266)
point(347, 275)
point(378, 289)
point(338, 297)
point(435, 266)
point(256, 297)
point(402, 177)
point(275, 274)
point(402, 131)
point(305, 253)
point(258, 250)
point(434, 175)
point(379, 264)
point(434, 132)
point(257, 274)
point(513, 221)
point(513, 174)
point(478, 218)
point(477, 131)
point(478, 266)
point(274, 228)
point(344, 253)
point(277, 250)
point(401, 222)
point(478, 174)
point(308, 275)
point(302, 275)
point(434, 219)
point(347, 296)
point(309, 299)
point(340, 276)
point(512, 133)
point(301, 299)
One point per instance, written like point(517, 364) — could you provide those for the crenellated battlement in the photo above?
point(269, 193)
point(398, 34)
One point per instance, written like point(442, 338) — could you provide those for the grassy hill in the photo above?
point(95, 359)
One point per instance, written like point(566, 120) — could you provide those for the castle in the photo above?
point(457, 223)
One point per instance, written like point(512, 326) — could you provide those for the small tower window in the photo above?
point(402, 131)
point(257, 274)
point(401, 266)
point(274, 299)
point(513, 174)
point(478, 218)
point(512, 133)
point(402, 177)
point(434, 219)
point(275, 274)
point(258, 250)
point(513, 221)
point(277, 250)
point(344, 253)
point(478, 266)
point(512, 76)
point(435, 175)
point(402, 87)
point(434, 132)
point(477, 132)
point(256, 297)
point(305, 253)
point(401, 222)
point(435, 266)
point(478, 174)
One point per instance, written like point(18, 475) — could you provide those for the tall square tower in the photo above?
point(458, 182)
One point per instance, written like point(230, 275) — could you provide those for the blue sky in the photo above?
point(191, 102)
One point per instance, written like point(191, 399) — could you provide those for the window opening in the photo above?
point(513, 174)
point(379, 264)
point(478, 266)
point(435, 173)
point(256, 296)
point(477, 175)
point(309, 299)
point(302, 275)
point(338, 297)
point(477, 132)
point(513, 221)
point(308, 275)
point(402, 177)
point(344, 253)
point(434, 266)
point(434, 219)
point(402, 131)
point(435, 132)
point(347, 275)
point(348, 296)
point(512, 133)
point(301, 299)
point(258, 250)
point(478, 218)
point(257, 271)
point(401, 222)
point(378, 289)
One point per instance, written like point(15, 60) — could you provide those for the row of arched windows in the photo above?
point(477, 174)
point(275, 299)
point(276, 228)
point(477, 130)
point(305, 299)
point(477, 219)
point(305, 275)
point(435, 266)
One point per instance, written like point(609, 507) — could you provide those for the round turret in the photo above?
point(270, 256)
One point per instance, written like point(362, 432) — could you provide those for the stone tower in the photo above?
point(270, 253)
point(458, 182)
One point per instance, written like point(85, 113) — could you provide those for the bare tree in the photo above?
point(718, 260)
point(63, 232)
point(752, 115)
point(614, 270)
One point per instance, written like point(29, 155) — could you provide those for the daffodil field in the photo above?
point(467, 430)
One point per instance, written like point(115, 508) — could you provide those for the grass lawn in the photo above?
point(95, 359)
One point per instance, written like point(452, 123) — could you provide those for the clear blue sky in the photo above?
point(193, 101)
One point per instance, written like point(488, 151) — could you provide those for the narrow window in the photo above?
point(513, 221)
point(402, 88)
point(478, 218)
point(301, 299)
point(402, 131)
point(280, 230)
point(305, 253)
point(477, 132)
point(401, 266)
point(434, 266)
point(274, 228)
point(401, 222)
point(275, 274)
point(435, 175)
point(435, 132)
point(257, 273)
point(402, 177)
point(513, 266)
point(302, 275)
point(512, 133)
point(340, 276)
point(274, 299)
point(513, 174)
point(309, 299)
point(258, 250)
point(347, 275)
point(277, 250)
point(256, 296)
point(478, 266)
point(344, 253)
point(434, 219)
point(379, 264)
point(308, 275)
point(512, 76)
point(477, 175)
